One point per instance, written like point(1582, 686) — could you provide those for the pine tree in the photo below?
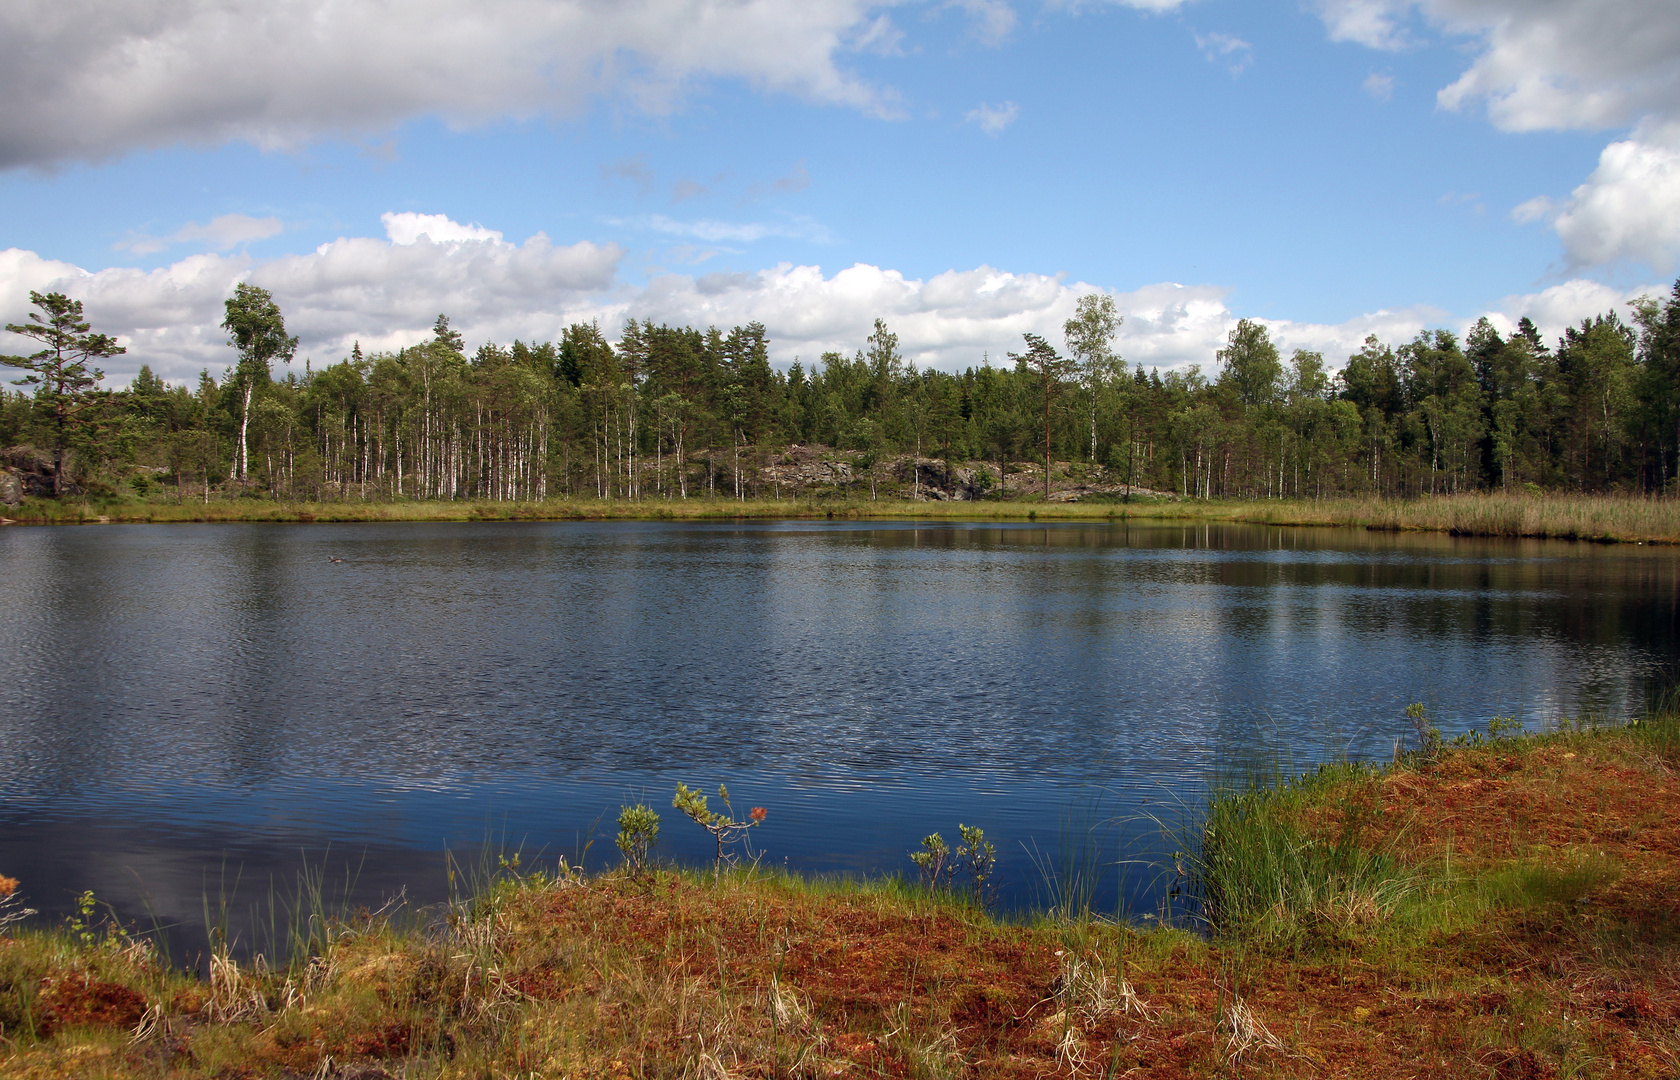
point(65, 383)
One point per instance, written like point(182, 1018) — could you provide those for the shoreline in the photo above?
point(1501, 904)
point(1601, 519)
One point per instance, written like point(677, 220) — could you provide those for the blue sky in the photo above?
point(964, 169)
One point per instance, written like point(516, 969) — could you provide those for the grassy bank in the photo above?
point(1571, 517)
point(1504, 909)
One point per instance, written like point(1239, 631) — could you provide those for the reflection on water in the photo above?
point(187, 697)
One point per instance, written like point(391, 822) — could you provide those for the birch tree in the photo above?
point(256, 328)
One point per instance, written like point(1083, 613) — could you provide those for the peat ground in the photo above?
point(1509, 907)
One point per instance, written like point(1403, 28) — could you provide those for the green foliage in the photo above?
point(1263, 879)
point(938, 866)
point(976, 858)
point(1253, 369)
point(933, 861)
point(638, 831)
point(61, 372)
point(723, 826)
point(256, 328)
point(1428, 735)
point(678, 412)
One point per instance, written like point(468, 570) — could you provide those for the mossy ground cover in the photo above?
point(1557, 516)
point(1507, 909)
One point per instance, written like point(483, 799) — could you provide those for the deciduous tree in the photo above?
point(256, 328)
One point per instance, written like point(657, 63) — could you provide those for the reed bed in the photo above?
point(1601, 518)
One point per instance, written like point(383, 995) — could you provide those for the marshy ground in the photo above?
point(1604, 518)
point(1509, 908)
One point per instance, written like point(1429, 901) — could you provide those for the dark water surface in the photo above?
point(187, 706)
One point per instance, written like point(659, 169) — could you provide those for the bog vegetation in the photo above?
point(672, 413)
point(1497, 904)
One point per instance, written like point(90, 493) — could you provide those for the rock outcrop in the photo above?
point(27, 472)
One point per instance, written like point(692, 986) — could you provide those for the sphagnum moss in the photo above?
point(1462, 915)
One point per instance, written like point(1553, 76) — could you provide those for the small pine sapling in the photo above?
point(933, 861)
point(977, 858)
point(723, 827)
point(1504, 727)
point(1428, 735)
point(638, 831)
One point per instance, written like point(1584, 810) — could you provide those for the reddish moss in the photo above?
point(81, 1001)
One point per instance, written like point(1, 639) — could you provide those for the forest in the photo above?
point(678, 413)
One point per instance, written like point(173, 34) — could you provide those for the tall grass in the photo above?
point(1260, 877)
point(1559, 516)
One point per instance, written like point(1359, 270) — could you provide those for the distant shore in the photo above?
point(1601, 518)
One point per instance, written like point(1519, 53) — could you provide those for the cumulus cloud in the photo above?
point(1566, 63)
point(993, 118)
point(411, 228)
point(86, 79)
point(221, 234)
point(1539, 64)
point(1563, 65)
point(383, 292)
point(386, 292)
point(1373, 23)
point(1629, 208)
point(951, 320)
point(1554, 309)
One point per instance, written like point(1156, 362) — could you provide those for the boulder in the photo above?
point(31, 469)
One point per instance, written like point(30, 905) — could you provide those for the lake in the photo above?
point(197, 711)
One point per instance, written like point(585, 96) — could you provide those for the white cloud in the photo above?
point(1563, 65)
point(951, 320)
point(1552, 310)
point(86, 79)
point(1564, 305)
point(994, 20)
point(383, 292)
point(1379, 86)
point(386, 294)
point(1235, 53)
point(1629, 208)
point(1374, 23)
point(221, 234)
point(1539, 64)
point(411, 228)
point(993, 118)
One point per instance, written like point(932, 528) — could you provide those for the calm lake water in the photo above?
point(190, 711)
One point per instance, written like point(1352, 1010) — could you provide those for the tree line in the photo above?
point(677, 412)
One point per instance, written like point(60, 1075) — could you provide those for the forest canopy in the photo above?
point(675, 412)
